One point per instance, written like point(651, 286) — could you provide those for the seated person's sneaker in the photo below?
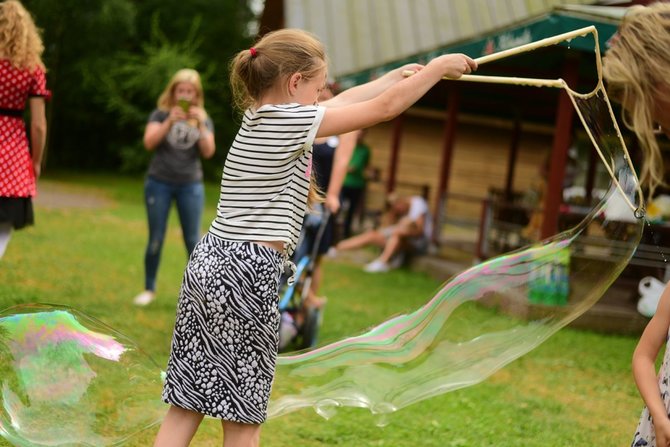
point(144, 298)
point(376, 266)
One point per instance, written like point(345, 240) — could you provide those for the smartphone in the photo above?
point(185, 104)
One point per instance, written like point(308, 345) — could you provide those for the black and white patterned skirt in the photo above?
point(226, 334)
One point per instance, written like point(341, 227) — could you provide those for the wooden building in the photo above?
point(463, 141)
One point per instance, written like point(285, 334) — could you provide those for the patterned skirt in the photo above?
point(226, 334)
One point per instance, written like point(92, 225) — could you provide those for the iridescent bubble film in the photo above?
point(68, 379)
point(530, 293)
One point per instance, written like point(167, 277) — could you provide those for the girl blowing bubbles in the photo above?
point(226, 332)
point(637, 71)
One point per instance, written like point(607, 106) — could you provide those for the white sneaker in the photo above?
point(144, 298)
point(376, 266)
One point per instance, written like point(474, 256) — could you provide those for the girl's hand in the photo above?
point(455, 65)
point(197, 113)
point(405, 69)
point(662, 432)
point(176, 114)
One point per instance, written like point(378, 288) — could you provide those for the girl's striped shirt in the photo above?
point(266, 175)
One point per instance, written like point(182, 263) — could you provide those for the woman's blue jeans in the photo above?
point(158, 196)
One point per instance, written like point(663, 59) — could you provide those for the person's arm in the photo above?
point(38, 132)
point(206, 142)
point(644, 369)
point(339, 170)
point(370, 89)
point(156, 131)
point(392, 101)
point(411, 227)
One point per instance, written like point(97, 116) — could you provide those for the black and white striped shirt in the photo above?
point(266, 175)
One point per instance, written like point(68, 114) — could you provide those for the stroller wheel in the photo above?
point(310, 328)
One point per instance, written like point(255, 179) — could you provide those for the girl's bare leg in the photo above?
point(391, 248)
point(5, 233)
point(372, 237)
point(313, 298)
point(236, 434)
point(178, 427)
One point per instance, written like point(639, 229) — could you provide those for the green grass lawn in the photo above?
point(575, 389)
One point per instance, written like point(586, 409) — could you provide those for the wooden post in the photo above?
point(562, 140)
point(395, 150)
point(450, 124)
point(511, 161)
point(482, 249)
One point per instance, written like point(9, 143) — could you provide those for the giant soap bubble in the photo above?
point(541, 289)
point(68, 379)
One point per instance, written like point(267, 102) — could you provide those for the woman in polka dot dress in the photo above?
point(22, 81)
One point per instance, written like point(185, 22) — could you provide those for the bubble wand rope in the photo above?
point(560, 83)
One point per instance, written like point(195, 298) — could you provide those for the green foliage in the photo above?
point(131, 87)
point(81, 39)
point(138, 79)
point(108, 60)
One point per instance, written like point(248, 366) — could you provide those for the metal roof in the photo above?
point(360, 35)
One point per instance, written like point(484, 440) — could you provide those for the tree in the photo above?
point(108, 60)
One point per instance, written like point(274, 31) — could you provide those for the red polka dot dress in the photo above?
point(17, 177)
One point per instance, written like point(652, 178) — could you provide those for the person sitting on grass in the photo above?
point(409, 231)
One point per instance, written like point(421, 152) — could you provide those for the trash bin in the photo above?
point(549, 279)
point(650, 289)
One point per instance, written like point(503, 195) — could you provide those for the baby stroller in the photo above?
point(299, 325)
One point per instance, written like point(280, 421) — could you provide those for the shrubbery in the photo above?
point(108, 60)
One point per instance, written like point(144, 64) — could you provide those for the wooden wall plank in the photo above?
point(479, 161)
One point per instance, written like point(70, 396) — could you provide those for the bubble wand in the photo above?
point(559, 83)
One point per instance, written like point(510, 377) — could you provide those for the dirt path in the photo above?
point(57, 195)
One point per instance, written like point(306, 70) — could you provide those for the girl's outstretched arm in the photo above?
point(644, 370)
point(392, 101)
point(370, 89)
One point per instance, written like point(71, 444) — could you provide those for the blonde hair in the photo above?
point(636, 65)
point(273, 59)
point(20, 40)
point(167, 100)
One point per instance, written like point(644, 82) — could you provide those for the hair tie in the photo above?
point(253, 51)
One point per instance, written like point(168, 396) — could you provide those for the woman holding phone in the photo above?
point(179, 132)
